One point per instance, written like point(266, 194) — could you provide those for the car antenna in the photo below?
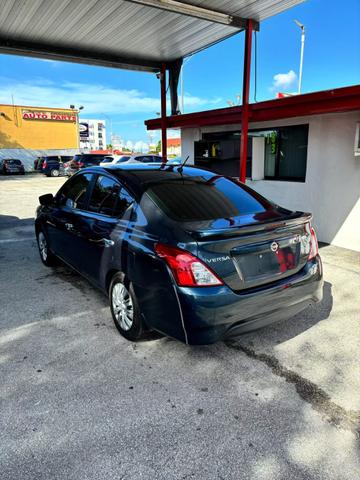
point(180, 169)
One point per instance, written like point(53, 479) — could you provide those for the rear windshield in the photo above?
point(89, 159)
point(52, 159)
point(189, 200)
point(13, 162)
point(123, 159)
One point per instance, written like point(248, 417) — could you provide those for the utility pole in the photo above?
point(302, 27)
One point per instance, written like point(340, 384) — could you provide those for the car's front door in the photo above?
point(103, 227)
point(65, 219)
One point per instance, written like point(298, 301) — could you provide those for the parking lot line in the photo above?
point(10, 240)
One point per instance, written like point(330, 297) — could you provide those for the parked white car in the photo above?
point(142, 158)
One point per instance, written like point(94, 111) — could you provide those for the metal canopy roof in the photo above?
point(132, 34)
point(343, 99)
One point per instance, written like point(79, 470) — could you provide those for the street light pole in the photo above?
point(182, 82)
point(77, 123)
point(302, 27)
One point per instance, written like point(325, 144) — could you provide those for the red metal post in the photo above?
point(245, 101)
point(163, 113)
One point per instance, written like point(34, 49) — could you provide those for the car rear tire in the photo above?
point(55, 172)
point(125, 309)
point(47, 257)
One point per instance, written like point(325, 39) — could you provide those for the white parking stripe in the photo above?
point(10, 240)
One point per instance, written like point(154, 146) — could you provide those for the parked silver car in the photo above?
point(133, 158)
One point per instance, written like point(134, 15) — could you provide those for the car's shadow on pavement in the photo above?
point(11, 221)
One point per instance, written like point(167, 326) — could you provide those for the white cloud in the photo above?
point(96, 98)
point(141, 146)
point(284, 81)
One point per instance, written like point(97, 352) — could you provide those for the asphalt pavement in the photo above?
point(80, 402)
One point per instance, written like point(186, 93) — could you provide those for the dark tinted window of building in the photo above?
point(286, 153)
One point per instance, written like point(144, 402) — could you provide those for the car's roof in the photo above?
point(94, 154)
point(139, 177)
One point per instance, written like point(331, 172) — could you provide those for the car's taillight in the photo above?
point(314, 248)
point(188, 270)
point(44, 165)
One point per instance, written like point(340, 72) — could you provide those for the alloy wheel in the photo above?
point(43, 246)
point(122, 305)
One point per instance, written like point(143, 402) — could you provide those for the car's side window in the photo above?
point(109, 198)
point(73, 194)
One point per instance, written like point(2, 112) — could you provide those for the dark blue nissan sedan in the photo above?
point(182, 251)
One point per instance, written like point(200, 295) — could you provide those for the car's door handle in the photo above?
point(105, 242)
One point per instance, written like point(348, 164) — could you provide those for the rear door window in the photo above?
point(191, 200)
point(109, 198)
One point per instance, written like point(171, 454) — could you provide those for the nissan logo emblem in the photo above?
point(274, 247)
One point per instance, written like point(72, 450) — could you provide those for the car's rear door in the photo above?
point(103, 227)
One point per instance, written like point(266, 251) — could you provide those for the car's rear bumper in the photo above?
point(213, 313)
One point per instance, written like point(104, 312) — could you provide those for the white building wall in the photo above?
point(332, 187)
point(93, 142)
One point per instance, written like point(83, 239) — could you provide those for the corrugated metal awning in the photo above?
point(120, 33)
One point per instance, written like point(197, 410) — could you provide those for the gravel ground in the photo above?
point(80, 402)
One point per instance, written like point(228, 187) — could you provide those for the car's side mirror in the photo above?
point(47, 199)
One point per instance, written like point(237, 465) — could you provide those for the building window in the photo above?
point(286, 153)
point(284, 157)
point(100, 135)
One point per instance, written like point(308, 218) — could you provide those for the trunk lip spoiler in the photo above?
point(292, 221)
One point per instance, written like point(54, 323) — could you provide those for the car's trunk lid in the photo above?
point(248, 253)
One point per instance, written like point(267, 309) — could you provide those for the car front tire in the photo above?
point(47, 257)
point(125, 309)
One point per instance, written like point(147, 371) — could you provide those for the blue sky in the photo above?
point(332, 59)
